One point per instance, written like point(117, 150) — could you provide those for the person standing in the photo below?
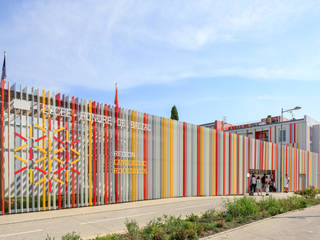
point(253, 184)
point(267, 185)
point(286, 186)
point(259, 190)
point(263, 180)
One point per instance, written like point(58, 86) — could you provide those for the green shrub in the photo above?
point(221, 223)
point(159, 236)
point(179, 235)
point(243, 207)
point(114, 236)
point(308, 192)
point(193, 218)
point(191, 234)
point(209, 215)
point(71, 236)
point(132, 229)
point(49, 237)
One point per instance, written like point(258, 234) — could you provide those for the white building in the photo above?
point(301, 133)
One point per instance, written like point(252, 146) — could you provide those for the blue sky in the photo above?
point(239, 59)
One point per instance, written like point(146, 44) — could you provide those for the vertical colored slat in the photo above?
point(217, 162)
point(243, 164)
point(145, 156)
point(105, 156)
point(94, 155)
point(238, 166)
point(294, 133)
point(234, 165)
point(213, 161)
point(171, 157)
point(90, 154)
point(201, 176)
point(249, 153)
point(184, 159)
point(198, 160)
point(291, 175)
point(43, 146)
point(59, 154)
point(73, 154)
point(229, 165)
point(224, 163)
point(255, 153)
point(286, 160)
point(2, 146)
point(164, 157)
point(8, 137)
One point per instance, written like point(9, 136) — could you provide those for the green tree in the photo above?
point(174, 113)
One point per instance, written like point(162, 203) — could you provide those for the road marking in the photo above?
point(198, 206)
point(20, 233)
point(118, 218)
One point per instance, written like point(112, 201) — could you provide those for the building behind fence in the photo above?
point(62, 152)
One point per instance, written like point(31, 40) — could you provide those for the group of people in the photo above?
point(265, 183)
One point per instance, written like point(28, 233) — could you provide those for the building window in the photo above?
point(282, 137)
point(262, 135)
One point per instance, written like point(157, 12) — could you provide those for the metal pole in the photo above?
point(281, 136)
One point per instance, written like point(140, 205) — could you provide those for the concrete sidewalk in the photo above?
point(300, 224)
point(94, 221)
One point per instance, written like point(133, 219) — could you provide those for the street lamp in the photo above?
point(281, 137)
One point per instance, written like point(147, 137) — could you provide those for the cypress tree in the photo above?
point(174, 113)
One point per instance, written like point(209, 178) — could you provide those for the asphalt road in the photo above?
point(94, 221)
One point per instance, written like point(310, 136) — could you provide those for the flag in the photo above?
point(116, 100)
point(4, 75)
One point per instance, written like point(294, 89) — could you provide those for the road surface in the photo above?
point(99, 220)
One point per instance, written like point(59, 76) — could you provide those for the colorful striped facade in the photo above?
point(63, 152)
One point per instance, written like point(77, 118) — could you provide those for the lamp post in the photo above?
point(281, 139)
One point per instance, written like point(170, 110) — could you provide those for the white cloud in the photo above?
point(61, 44)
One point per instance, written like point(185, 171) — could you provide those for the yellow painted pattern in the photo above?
point(41, 128)
point(76, 160)
point(41, 181)
point(41, 149)
point(58, 150)
point(73, 150)
point(41, 159)
point(20, 147)
point(58, 180)
point(58, 160)
point(213, 162)
point(171, 156)
point(134, 158)
point(164, 158)
point(90, 154)
point(234, 164)
point(201, 160)
point(21, 159)
point(67, 175)
point(30, 131)
point(58, 130)
point(31, 175)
